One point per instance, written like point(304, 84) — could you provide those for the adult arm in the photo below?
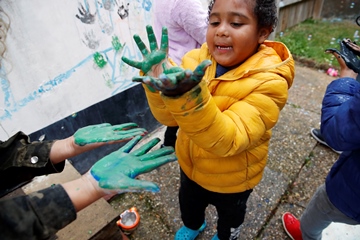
point(36, 216)
point(41, 214)
point(22, 160)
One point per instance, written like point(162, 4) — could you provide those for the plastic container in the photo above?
point(129, 220)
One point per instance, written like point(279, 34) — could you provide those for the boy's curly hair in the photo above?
point(264, 10)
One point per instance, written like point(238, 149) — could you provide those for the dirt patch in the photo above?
point(305, 62)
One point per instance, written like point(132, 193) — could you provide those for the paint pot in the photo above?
point(129, 220)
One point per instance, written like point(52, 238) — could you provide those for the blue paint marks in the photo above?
point(146, 4)
point(5, 86)
point(13, 106)
point(46, 87)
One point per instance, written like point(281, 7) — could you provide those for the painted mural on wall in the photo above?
point(59, 57)
point(62, 56)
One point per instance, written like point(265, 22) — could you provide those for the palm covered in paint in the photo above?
point(105, 132)
point(115, 172)
point(176, 81)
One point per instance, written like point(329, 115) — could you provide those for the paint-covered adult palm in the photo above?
point(105, 132)
point(115, 172)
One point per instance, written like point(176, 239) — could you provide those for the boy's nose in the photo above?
point(222, 31)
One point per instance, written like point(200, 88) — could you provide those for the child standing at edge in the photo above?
point(225, 111)
point(336, 200)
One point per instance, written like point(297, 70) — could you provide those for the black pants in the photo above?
point(170, 136)
point(231, 207)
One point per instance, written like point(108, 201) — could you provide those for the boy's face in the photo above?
point(233, 34)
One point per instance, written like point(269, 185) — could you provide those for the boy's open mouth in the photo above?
point(223, 47)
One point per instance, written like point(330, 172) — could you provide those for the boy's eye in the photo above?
point(214, 23)
point(236, 24)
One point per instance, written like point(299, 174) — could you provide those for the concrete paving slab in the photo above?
point(274, 229)
point(340, 231)
point(312, 175)
point(308, 89)
point(262, 202)
point(291, 142)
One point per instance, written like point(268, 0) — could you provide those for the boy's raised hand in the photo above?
point(348, 53)
point(116, 172)
point(175, 81)
point(105, 132)
point(154, 60)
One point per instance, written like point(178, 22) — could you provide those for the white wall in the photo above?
point(48, 72)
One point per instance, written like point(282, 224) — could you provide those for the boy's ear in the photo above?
point(264, 34)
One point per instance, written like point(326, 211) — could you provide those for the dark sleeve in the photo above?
point(38, 215)
point(340, 116)
point(22, 160)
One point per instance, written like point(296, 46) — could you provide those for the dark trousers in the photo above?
point(231, 207)
point(170, 136)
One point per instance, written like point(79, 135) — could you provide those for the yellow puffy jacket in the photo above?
point(225, 122)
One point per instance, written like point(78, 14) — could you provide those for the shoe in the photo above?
point(215, 237)
point(318, 137)
point(185, 233)
point(292, 226)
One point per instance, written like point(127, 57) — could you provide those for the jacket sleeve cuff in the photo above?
point(37, 156)
point(190, 102)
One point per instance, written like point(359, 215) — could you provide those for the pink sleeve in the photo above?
point(191, 15)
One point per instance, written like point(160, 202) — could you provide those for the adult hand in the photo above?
point(347, 54)
point(155, 60)
point(115, 172)
point(107, 133)
point(176, 81)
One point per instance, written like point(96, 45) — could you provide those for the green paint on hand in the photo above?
point(105, 132)
point(117, 170)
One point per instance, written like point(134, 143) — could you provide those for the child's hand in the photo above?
point(105, 132)
point(175, 81)
point(156, 60)
point(348, 55)
point(115, 172)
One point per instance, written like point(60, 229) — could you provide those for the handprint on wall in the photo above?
point(107, 4)
point(106, 28)
point(90, 40)
point(84, 14)
point(123, 11)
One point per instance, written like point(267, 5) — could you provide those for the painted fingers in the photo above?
point(153, 57)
